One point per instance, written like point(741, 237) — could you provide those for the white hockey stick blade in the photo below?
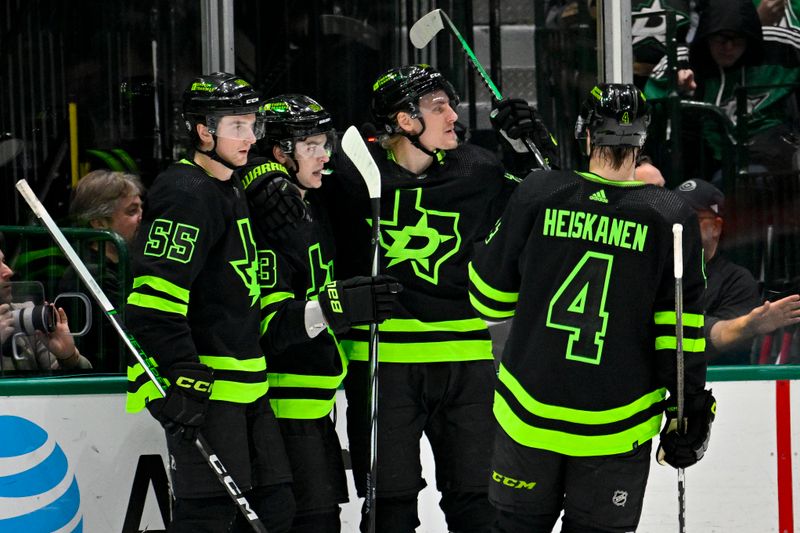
point(677, 242)
point(355, 148)
point(41, 213)
point(426, 28)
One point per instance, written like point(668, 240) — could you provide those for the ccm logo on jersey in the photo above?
point(513, 483)
point(196, 384)
point(333, 295)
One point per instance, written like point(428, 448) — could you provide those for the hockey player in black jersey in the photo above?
point(194, 308)
point(584, 263)
point(436, 367)
point(300, 319)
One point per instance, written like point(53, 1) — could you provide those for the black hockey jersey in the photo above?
point(585, 265)
point(195, 285)
point(303, 373)
point(428, 224)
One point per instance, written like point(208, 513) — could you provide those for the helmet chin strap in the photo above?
point(414, 139)
point(293, 172)
point(215, 156)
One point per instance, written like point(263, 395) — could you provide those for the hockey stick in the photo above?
point(152, 373)
point(426, 28)
point(677, 242)
point(354, 147)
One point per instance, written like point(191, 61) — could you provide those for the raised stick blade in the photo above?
point(355, 148)
point(426, 28)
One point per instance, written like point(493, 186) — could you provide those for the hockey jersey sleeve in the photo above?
point(182, 227)
point(494, 275)
point(665, 316)
point(282, 316)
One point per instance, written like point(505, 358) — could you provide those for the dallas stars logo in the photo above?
point(424, 237)
point(247, 268)
point(321, 271)
point(653, 26)
point(754, 101)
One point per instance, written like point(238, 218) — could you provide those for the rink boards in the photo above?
point(71, 459)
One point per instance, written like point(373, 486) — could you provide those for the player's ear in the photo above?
point(405, 121)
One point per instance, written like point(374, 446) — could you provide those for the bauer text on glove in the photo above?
point(359, 300)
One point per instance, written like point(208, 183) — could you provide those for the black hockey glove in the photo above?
point(183, 410)
point(683, 450)
point(515, 120)
point(276, 204)
point(358, 300)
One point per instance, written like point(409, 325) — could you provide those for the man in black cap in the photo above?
point(734, 313)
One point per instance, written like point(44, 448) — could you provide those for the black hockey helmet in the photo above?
point(212, 96)
point(399, 89)
point(614, 114)
point(291, 117)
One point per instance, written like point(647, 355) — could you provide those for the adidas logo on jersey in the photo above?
point(599, 196)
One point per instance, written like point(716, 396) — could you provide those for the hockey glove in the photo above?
point(682, 450)
point(515, 120)
point(276, 204)
point(183, 410)
point(358, 300)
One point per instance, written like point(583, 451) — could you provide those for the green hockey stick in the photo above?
point(427, 27)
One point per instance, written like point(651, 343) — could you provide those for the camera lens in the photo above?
point(38, 317)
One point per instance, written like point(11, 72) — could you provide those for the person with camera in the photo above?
point(45, 344)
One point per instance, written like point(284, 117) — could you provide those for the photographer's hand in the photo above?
point(6, 322)
point(60, 342)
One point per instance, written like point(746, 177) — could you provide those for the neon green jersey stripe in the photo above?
point(275, 297)
point(305, 381)
point(162, 285)
point(159, 304)
point(301, 409)
point(221, 362)
point(488, 312)
point(570, 444)
point(135, 401)
point(670, 318)
point(233, 391)
point(421, 352)
point(577, 416)
point(266, 321)
point(689, 345)
point(410, 325)
point(489, 291)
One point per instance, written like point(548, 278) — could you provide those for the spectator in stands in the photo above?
point(43, 351)
point(734, 312)
point(105, 199)
point(647, 172)
point(731, 50)
point(779, 12)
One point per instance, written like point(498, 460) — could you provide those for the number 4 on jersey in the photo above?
point(579, 307)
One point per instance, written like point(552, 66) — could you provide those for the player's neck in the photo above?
point(411, 158)
point(603, 168)
point(214, 168)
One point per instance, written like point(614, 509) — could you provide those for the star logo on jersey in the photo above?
point(424, 238)
point(247, 268)
point(320, 271)
point(754, 101)
point(653, 26)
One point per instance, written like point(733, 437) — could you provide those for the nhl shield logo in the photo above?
point(619, 498)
